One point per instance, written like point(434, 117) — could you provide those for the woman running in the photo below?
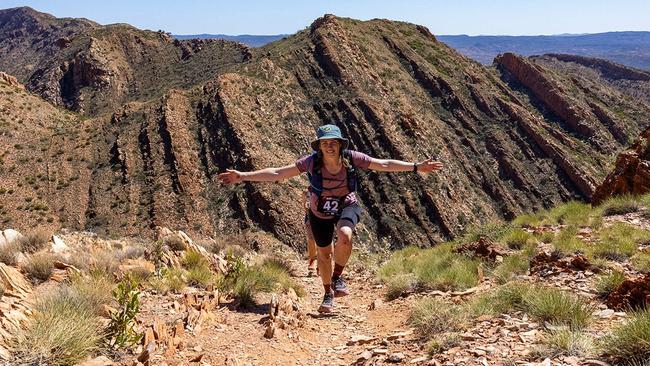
point(333, 202)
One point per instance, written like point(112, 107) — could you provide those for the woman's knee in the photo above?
point(344, 235)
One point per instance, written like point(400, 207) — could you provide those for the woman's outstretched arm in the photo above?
point(263, 175)
point(390, 165)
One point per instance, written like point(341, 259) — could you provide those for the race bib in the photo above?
point(329, 206)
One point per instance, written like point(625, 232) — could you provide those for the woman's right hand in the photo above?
point(230, 177)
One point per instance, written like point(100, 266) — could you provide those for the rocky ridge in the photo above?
point(517, 137)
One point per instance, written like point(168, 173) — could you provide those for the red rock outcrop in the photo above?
point(631, 175)
point(631, 294)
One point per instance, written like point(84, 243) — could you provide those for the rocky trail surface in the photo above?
point(365, 329)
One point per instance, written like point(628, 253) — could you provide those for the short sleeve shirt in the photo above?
point(334, 185)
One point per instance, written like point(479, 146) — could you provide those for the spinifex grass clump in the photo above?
point(572, 213)
point(619, 241)
point(437, 268)
point(513, 265)
point(558, 307)
point(515, 238)
point(198, 269)
point(620, 205)
point(63, 330)
point(245, 282)
point(541, 303)
point(567, 342)
point(630, 340)
point(431, 315)
point(39, 267)
point(607, 283)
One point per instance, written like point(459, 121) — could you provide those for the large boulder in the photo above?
point(631, 174)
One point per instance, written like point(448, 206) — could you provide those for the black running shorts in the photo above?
point(323, 229)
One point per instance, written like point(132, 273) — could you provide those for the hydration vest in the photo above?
point(316, 175)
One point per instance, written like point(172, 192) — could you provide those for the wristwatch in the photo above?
point(415, 167)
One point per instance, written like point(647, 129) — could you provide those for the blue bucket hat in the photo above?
point(329, 132)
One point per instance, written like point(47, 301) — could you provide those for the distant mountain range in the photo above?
point(628, 48)
point(247, 39)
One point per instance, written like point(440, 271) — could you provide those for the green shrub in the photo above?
point(62, 331)
point(121, 330)
point(607, 283)
point(620, 205)
point(631, 339)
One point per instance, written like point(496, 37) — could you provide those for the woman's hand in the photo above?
point(230, 177)
point(429, 165)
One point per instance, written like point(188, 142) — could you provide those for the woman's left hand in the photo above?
point(429, 165)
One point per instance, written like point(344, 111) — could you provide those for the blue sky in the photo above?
point(473, 17)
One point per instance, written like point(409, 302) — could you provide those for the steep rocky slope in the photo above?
point(29, 38)
point(95, 69)
point(44, 164)
point(516, 137)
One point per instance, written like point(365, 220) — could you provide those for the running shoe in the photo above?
point(327, 304)
point(340, 289)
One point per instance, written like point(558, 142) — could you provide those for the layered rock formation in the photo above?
point(95, 69)
point(516, 137)
point(631, 175)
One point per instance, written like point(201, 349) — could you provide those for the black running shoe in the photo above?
point(340, 289)
point(327, 304)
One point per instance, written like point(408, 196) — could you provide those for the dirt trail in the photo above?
point(236, 337)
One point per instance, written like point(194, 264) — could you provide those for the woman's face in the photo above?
point(330, 147)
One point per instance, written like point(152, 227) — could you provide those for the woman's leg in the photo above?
point(311, 248)
point(343, 246)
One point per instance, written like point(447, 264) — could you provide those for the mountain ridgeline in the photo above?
point(156, 119)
